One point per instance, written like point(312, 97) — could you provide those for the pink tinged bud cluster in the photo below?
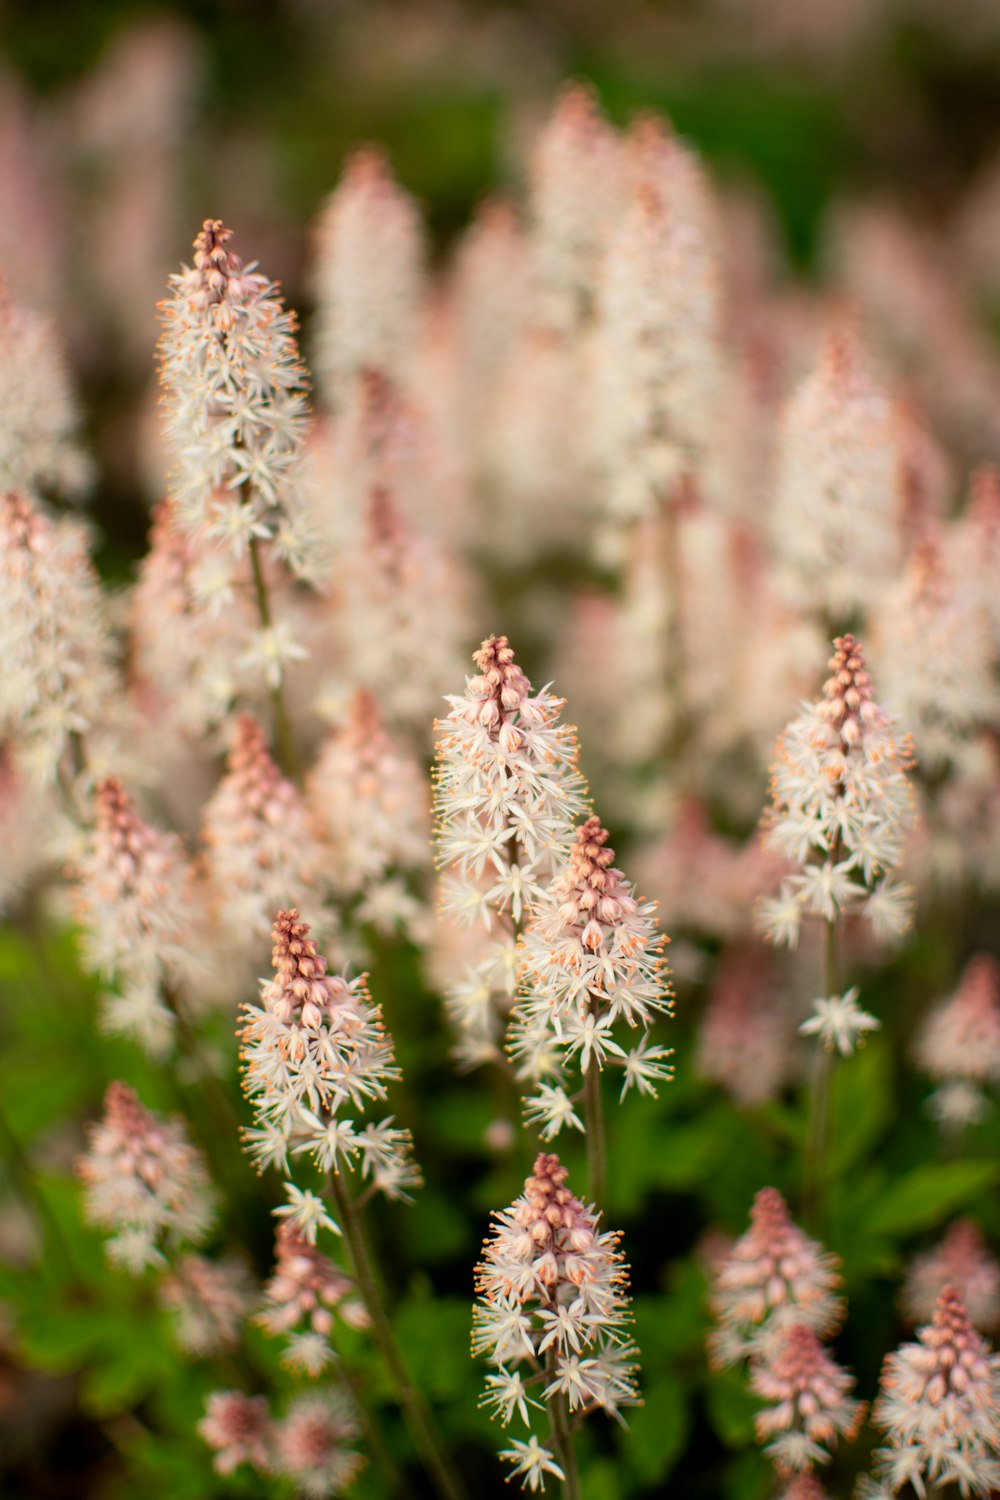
point(59, 676)
point(303, 1299)
point(369, 276)
point(939, 1404)
point(210, 1300)
point(745, 1041)
point(508, 793)
point(135, 902)
point(315, 1057)
point(39, 451)
point(591, 959)
point(959, 1044)
point(657, 375)
point(261, 844)
point(189, 619)
point(775, 1276)
point(310, 1444)
point(808, 1400)
point(935, 655)
point(235, 409)
point(576, 194)
point(841, 803)
point(961, 1261)
point(552, 1313)
point(398, 614)
point(838, 498)
point(371, 800)
point(143, 1181)
point(974, 549)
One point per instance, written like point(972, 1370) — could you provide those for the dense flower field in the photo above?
point(501, 964)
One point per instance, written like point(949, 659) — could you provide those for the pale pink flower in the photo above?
point(804, 1487)
point(959, 1043)
point(311, 1444)
point(508, 793)
point(808, 1396)
point(576, 194)
point(591, 958)
point(262, 846)
point(552, 1308)
point(490, 285)
point(837, 502)
point(840, 805)
point(39, 447)
point(657, 375)
point(239, 1430)
point(302, 1298)
point(144, 1182)
point(233, 396)
point(314, 1047)
point(975, 547)
point(745, 1040)
point(371, 801)
point(368, 276)
point(137, 906)
point(774, 1276)
point(59, 685)
point(939, 1404)
point(962, 1261)
point(210, 1301)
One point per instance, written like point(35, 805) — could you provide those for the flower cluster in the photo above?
point(315, 1045)
point(39, 452)
point(591, 958)
point(507, 795)
point(939, 1403)
point(309, 1444)
point(808, 1400)
point(959, 1044)
point(233, 394)
point(840, 805)
point(302, 1296)
point(210, 1301)
point(961, 1261)
point(551, 1313)
point(144, 1182)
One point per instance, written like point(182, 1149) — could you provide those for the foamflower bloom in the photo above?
point(507, 795)
point(939, 1404)
point(144, 1181)
point(841, 803)
point(839, 1022)
point(773, 1276)
point(302, 1299)
point(808, 1400)
point(210, 1301)
point(316, 1056)
point(552, 1313)
point(39, 450)
point(592, 970)
point(962, 1261)
point(958, 1044)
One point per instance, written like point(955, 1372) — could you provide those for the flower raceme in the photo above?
point(313, 1048)
point(551, 1313)
point(962, 1261)
point(939, 1403)
point(591, 959)
point(508, 793)
point(144, 1181)
point(840, 805)
point(302, 1296)
point(809, 1405)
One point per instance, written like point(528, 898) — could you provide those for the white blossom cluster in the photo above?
point(315, 1056)
point(592, 958)
point(507, 796)
point(552, 1314)
point(39, 451)
point(840, 805)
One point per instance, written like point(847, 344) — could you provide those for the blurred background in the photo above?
point(122, 125)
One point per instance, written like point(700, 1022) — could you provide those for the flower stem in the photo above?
point(562, 1439)
point(814, 1162)
point(287, 752)
point(593, 1115)
point(412, 1404)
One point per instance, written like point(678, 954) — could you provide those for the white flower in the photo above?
point(306, 1211)
point(840, 1022)
point(532, 1461)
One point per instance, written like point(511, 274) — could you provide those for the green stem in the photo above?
point(562, 1438)
point(287, 752)
point(26, 1183)
point(411, 1402)
point(814, 1162)
point(593, 1117)
point(384, 1460)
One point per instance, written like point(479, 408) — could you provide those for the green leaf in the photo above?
point(927, 1195)
point(861, 1099)
point(731, 1408)
point(658, 1430)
